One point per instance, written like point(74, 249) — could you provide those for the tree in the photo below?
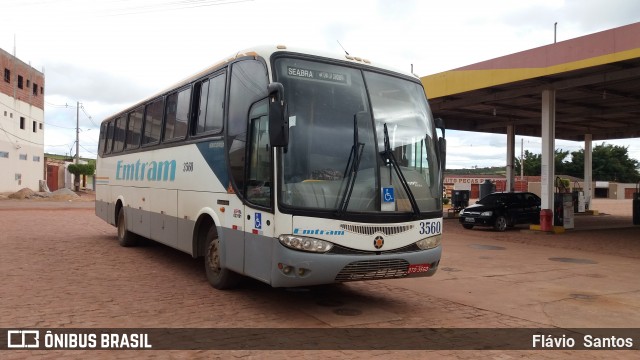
point(533, 163)
point(609, 163)
point(80, 169)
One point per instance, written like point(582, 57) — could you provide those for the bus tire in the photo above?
point(125, 237)
point(217, 276)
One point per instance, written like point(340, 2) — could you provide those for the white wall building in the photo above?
point(21, 125)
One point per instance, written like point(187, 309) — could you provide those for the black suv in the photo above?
point(501, 210)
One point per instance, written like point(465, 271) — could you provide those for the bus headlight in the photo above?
point(304, 243)
point(430, 242)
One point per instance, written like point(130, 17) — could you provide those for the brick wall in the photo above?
point(32, 91)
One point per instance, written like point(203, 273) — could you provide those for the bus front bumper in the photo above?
point(291, 268)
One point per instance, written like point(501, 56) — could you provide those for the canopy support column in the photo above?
point(588, 170)
point(548, 148)
point(511, 140)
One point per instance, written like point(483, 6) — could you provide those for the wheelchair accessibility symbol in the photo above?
point(258, 221)
point(387, 195)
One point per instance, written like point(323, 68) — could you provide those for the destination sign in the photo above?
point(316, 75)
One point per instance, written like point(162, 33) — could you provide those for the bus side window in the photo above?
point(153, 122)
point(119, 133)
point(109, 138)
point(259, 172)
point(134, 128)
point(102, 138)
point(248, 85)
point(211, 104)
point(177, 115)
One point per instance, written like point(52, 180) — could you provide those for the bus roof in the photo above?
point(265, 52)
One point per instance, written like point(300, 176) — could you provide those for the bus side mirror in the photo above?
point(439, 125)
point(442, 144)
point(278, 119)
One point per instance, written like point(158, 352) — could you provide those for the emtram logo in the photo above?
point(150, 171)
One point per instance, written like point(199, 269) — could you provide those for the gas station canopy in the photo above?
point(596, 79)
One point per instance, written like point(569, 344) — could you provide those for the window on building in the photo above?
point(20, 81)
point(4, 154)
point(22, 123)
point(40, 126)
point(35, 126)
point(7, 75)
point(36, 158)
point(35, 89)
point(28, 83)
point(23, 156)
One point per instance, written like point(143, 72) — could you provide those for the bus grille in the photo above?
point(370, 230)
point(373, 269)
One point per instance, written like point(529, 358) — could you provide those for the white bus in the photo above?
point(282, 165)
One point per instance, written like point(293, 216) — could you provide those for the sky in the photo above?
point(109, 54)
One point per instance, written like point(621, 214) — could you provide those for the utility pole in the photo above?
point(78, 133)
point(522, 159)
point(76, 178)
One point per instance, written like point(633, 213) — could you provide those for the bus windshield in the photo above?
point(336, 158)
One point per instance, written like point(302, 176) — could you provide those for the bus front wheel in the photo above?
point(125, 237)
point(217, 276)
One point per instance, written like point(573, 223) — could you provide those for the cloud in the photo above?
point(75, 82)
point(108, 57)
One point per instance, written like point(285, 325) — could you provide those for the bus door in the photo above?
point(259, 224)
point(250, 165)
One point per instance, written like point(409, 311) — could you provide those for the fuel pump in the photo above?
point(562, 204)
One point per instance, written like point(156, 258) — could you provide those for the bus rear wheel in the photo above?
point(217, 276)
point(125, 237)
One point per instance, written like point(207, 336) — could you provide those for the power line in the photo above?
point(172, 5)
point(18, 137)
point(89, 116)
point(87, 150)
point(58, 105)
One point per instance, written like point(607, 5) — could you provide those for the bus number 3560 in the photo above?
point(430, 227)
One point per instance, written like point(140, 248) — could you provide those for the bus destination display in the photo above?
point(316, 75)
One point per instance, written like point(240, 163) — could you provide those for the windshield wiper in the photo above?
point(352, 166)
point(388, 155)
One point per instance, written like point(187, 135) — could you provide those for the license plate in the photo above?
point(418, 268)
point(469, 220)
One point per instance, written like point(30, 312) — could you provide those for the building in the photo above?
point(58, 175)
point(21, 125)
point(472, 183)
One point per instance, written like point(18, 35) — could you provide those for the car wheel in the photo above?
point(125, 237)
point(500, 223)
point(217, 276)
point(467, 226)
